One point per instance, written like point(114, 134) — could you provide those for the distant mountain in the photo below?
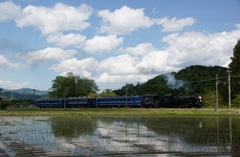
point(24, 93)
point(27, 91)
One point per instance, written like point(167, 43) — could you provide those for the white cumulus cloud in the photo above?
point(113, 79)
point(238, 26)
point(124, 20)
point(80, 67)
point(175, 24)
point(12, 85)
point(59, 18)
point(66, 40)
point(141, 49)
point(5, 62)
point(191, 48)
point(100, 44)
point(121, 65)
point(155, 62)
point(48, 55)
point(9, 11)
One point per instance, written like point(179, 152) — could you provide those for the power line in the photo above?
point(184, 82)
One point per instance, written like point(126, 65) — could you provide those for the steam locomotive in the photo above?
point(172, 101)
point(146, 101)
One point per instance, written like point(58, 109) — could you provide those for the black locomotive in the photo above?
point(171, 101)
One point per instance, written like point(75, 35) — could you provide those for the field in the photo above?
point(117, 111)
point(134, 136)
point(119, 131)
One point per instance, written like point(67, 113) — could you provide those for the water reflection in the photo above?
point(72, 126)
point(199, 134)
point(106, 136)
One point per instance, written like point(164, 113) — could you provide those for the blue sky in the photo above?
point(112, 42)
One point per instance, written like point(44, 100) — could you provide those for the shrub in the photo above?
point(236, 101)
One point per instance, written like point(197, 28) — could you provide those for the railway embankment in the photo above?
point(119, 111)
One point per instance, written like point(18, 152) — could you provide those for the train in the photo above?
point(172, 101)
point(146, 101)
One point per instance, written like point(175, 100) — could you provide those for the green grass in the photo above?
point(117, 111)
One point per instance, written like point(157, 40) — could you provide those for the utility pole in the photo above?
point(65, 99)
point(229, 90)
point(76, 86)
point(0, 96)
point(217, 81)
point(126, 94)
point(216, 92)
point(34, 93)
point(23, 97)
point(11, 98)
point(138, 86)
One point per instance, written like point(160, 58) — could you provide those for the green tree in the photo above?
point(158, 85)
point(209, 98)
point(5, 103)
point(72, 86)
point(93, 95)
point(236, 101)
point(234, 67)
point(223, 85)
point(107, 93)
point(131, 90)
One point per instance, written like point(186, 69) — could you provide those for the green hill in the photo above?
point(198, 78)
point(193, 79)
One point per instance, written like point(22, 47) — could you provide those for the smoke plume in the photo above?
point(172, 82)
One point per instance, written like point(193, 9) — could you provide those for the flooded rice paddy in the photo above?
point(119, 136)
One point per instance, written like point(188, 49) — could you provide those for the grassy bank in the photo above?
point(117, 111)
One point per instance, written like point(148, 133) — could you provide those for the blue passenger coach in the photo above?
point(68, 103)
point(132, 101)
point(81, 102)
point(50, 103)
